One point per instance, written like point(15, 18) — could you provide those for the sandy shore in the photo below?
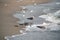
point(7, 21)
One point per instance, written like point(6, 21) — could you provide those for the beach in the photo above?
point(7, 21)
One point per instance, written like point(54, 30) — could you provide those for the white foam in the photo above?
point(54, 27)
point(21, 31)
point(50, 18)
point(58, 3)
point(48, 27)
point(34, 28)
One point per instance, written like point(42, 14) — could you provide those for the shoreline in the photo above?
point(7, 9)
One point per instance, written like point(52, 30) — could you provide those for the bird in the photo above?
point(31, 18)
point(41, 27)
point(24, 24)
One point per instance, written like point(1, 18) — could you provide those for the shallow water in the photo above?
point(38, 36)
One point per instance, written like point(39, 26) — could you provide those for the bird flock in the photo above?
point(33, 16)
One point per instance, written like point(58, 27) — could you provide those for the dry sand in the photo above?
point(7, 21)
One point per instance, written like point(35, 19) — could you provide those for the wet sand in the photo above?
point(7, 21)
